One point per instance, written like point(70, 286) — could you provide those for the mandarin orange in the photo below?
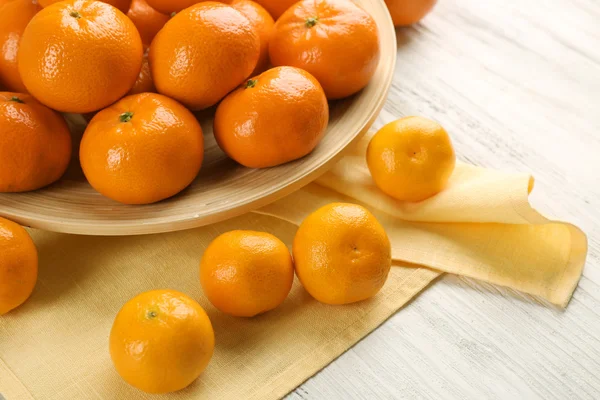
point(35, 143)
point(246, 273)
point(18, 265)
point(14, 17)
point(203, 53)
point(142, 149)
point(335, 40)
point(79, 55)
point(275, 117)
point(161, 341)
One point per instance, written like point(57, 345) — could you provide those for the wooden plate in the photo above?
point(223, 189)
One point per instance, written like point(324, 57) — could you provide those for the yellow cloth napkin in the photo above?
point(56, 345)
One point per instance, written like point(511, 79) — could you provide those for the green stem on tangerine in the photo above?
point(251, 83)
point(174, 13)
point(15, 99)
point(75, 14)
point(312, 21)
point(126, 116)
point(152, 314)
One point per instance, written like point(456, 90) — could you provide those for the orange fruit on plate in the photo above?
point(14, 17)
point(35, 144)
point(161, 341)
point(408, 12)
point(146, 19)
point(276, 7)
point(263, 23)
point(246, 273)
point(80, 55)
point(144, 82)
point(203, 53)
point(142, 149)
point(122, 5)
point(275, 117)
point(411, 159)
point(18, 265)
point(342, 254)
point(335, 40)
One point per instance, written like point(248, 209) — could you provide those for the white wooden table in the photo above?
point(517, 85)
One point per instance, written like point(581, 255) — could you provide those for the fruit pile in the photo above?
point(139, 70)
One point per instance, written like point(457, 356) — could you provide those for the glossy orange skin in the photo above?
point(411, 159)
point(155, 155)
point(276, 7)
point(144, 82)
point(80, 64)
point(342, 254)
point(246, 273)
point(147, 20)
point(35, 144)
point(203, 53)
point(341, 50)
point(263, 23)
point(18, 265)
point(122, 5)
point(281, 118)
point(174, 6)
point(14, 17)
point(161, 341)
point(408, 12)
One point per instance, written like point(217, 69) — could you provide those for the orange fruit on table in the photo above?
point(408, 12)
point(276, 7)
point(276, 117)
point(246, 273)
point(18, 265)
point(147, 20)
point(342, 254)
point(142, 149)
point(411, 159)
point(144, 82)
point(80, 55)
point(263, 23)
point(14, 17)
point(335, 40)
point(161, 341)
point(203, 53)
point(35, 144)
point(122, 5)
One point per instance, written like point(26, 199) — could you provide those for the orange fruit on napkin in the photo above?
point(408, 12)
point(411, 159)
point(144, 82)
point(263, 23)
point(147, 20)
point(18, 265)
point(142, 149)
point(335, 40)
point(79, 55)
point(246, 273)
point(276, 7)
point(161, 341)
point(203, 53)
point(35, 143)
point(275, 117)
point(14, 17)
point(342, 254)
point(122, 5)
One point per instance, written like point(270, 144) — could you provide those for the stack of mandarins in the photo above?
point(139, 69)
